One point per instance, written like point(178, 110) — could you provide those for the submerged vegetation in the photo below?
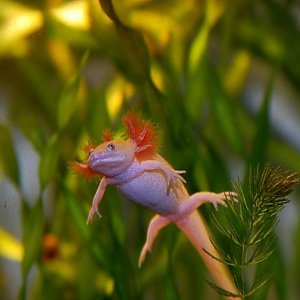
point(248, 225)
point(221, 81)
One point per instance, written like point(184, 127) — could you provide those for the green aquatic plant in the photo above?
point(248, 224)
point(70, 69)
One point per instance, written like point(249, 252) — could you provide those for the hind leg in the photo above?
point(197, 199)
point(155, 225)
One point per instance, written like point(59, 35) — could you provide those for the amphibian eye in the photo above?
point(111, 146)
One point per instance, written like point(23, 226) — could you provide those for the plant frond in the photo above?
point(221, 291)
point(249, 224)
point(259, 284)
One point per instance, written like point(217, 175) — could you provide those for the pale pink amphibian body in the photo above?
point(143, 176)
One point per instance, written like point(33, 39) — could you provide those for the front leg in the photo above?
point(97, 198)
point(155, 225)
point(171, 175)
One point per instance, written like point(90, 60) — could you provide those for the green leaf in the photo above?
point(10, 247)
point(36, 78)
point(196, 88)
point(197, 59)
point(132, 41)
point(264, 273)
point(8, 158)
point(136, 50)
point(221, 291)
point(224, 111)
point(79, 217)
point(198, 48)
point(97, 115)
point(262, 131)
point(57, 30)
point(77, 213)
point(48, 162)
point(68, 100)
point(32, 129)
point(17, 23)
point(170, 288)
point(210, 169)
point(32, 239)
point(108, 8)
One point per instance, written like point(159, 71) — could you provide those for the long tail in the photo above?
point(195, 229)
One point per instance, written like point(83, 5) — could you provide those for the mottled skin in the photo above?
point(155, 185)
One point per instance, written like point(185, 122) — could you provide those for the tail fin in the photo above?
point(195, 229)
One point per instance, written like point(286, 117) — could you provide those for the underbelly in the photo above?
point(150, 191)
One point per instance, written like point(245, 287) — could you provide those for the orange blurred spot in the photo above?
point(50, 247)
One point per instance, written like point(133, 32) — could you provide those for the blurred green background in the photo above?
point(221, 81)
